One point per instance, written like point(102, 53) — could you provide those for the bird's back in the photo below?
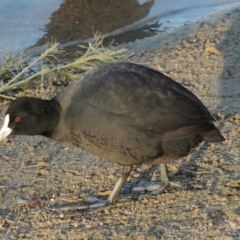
point(130, 114)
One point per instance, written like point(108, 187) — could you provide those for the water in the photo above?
point(22, 22)
point(27, 23)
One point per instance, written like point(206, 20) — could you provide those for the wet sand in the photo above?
point(39, 176)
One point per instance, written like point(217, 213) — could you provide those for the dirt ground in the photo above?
point(39, 176)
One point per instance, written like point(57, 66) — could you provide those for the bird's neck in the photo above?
point(52, 117)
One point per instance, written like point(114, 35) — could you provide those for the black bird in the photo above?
point(126, 113)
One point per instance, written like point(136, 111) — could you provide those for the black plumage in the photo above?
point(123, 112)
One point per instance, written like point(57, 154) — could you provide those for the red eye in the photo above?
point(17, 119)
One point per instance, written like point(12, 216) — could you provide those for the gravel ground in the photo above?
point(39, 176)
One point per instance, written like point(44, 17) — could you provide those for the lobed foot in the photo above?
point(156, 189)
point(95, 204)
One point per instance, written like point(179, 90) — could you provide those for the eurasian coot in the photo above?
point(123, 112)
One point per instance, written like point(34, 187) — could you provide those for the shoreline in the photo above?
point(38, 174)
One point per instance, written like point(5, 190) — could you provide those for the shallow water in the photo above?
point(27, 23)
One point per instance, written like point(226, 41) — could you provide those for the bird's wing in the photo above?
point(148, 99)
point(139, 97)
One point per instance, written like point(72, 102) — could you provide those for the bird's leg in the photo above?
point(163, 173)
point(158, 188)
point(98, 204)
point(164, 180)
point(126, 170)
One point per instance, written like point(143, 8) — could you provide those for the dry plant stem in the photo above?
point(45, 54)
point(94, 52)
point(8, 97)
point(106, 57)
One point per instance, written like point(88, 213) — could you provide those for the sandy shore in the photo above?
point(38, 175)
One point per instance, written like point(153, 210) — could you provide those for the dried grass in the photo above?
point(25, 65)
